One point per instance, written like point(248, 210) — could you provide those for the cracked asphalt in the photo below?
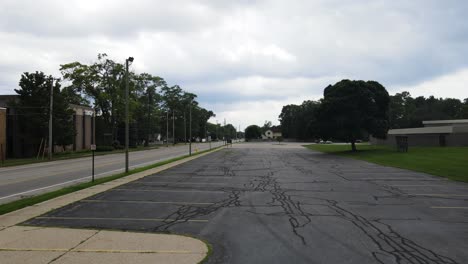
point(269, 203)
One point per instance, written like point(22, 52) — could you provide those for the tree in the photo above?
point(103, 83)
point(279, 139)
point(300, 121)
point(253, 132)
point(406, 111)
point(266, 126)
point(351, 108)
point(464, 110)
point(33, 108)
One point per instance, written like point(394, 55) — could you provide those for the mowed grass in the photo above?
point(449, 162)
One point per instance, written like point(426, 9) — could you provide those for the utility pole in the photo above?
point(173, 127)
point(217, 134)
point(190, 131)
point(148, 128)
point(127, 118)
point(185, 129)
point(50, 117)
point(167, 129)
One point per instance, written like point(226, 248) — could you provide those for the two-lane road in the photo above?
point(27, 180)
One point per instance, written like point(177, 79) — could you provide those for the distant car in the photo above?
point(321, 142)
point(328, 142)
point(358, 141)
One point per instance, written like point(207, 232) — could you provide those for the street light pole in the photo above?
point(173, 127)
point(167, 129)
point(190, 129)
point(50, 117)
point(127, 118)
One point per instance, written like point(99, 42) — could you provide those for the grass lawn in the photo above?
point(449, 162)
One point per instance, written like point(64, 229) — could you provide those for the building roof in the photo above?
point(422, 130)
point(446, 122)
point(276, 129)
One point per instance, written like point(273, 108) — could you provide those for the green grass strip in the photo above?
point(18, 204)
point(448, 162)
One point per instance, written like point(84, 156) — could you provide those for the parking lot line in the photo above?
point(449, 207)
point(162, 190)
point(145, 202)
point(438, 194)
point(416, 185)
point(121, 219)
point(391, 179)
point(178, 182)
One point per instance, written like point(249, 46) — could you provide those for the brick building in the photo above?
point(18, 146)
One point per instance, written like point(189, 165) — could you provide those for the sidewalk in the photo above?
point(23, 244)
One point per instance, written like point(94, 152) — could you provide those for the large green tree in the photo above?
point(300, 121)
point(350, 109)
point(253, 132)
point(33, 108)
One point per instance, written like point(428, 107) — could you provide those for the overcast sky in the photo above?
point(246, 59)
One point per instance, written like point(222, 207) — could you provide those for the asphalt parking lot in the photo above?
point(269, 203)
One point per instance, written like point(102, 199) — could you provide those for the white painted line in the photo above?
point(162, 190)
point(415, 185)
point(439, 194)
point(144, 202)
point(123, 219)
point(155, 182)
point(449, 207)
point(392, 179)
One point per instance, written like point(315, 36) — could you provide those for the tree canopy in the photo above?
point(351, 108)
point(33, 109)
point(253, 132)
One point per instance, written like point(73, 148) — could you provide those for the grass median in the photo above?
point(25, 202)
point(448, 162)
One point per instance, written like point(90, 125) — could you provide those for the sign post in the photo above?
point(93, 148)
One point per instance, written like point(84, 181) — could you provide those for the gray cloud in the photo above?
point(243, 53)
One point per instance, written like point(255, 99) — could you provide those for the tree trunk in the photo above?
point(353, 146)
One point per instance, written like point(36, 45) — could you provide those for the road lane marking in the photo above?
point(83, 178)
point(147, 202)
point(121, 219)
point(55, 185)
point(449, 207)
point(162, 190)
point(87, 177)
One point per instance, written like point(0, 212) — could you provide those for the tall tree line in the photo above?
point(154, 106)
point(308, 120)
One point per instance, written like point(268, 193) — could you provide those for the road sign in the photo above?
point(93, 147)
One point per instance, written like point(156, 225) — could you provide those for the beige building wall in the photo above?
point(3, 133)
point(83, 127)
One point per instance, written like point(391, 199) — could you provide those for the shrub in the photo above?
point(104, 148)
